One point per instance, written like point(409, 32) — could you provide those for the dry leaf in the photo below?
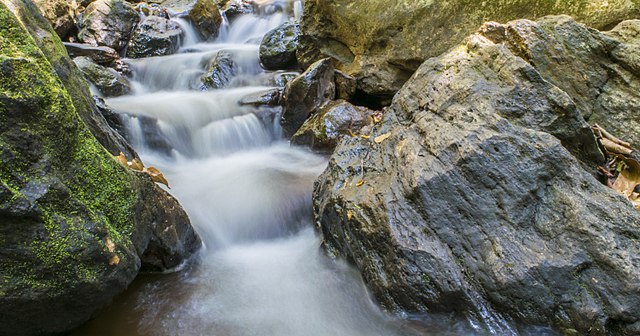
point(114, 260)
point(382, 138)
point(377, 117)
point(360, 183)
point(122, 159)
point(157, 176)
point(365, 136)
point(349, 214)
point(110, 245)
point(135, 164)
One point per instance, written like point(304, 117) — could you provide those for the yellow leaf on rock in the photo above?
point(157, 176)
point(136, 165)
point(360, 183)
point(122, 159)
point(349, 214)
point(110, 245)
point(381, 138)
point(114, 260)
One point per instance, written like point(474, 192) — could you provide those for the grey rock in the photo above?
point(59, 14)
point(271, 97)
point(234, 9)
point(154, 36)
point(108, 81)
point(108, 23)
point(278, 47)
point(101, 55)
point(220, 71)
point(304, 95)
point(204, 14)
point(472, 197)
point(322, 131)
point(281, 79)
point(345, 85)
point(597, 70)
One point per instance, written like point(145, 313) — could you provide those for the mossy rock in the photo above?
point(75, 225)
point(383, 42)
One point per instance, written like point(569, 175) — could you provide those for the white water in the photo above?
point(248, 193)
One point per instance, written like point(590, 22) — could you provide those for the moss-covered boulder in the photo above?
point(75, 225)
point(383, 42)
point(278, 47)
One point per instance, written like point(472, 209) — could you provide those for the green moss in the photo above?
point(45, 143)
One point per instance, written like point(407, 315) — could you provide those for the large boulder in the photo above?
point(476, 195)
point(108, 23)
point(278, 47)
point(305, 94)
point(71, 77)
point(383, 42)
point(154, 36)
point(60, 15)
point(204, 14)
point(76, 226)
point(106, 80)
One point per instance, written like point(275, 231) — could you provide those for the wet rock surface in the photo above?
point(304, 95)
point(59, 13)
point(278, 47)
point(221, 69)
point(382, 43)
point(76, 225)
point(204, 14)
point(154, 36)
point(102, 55)
point(108, 23)
point(476, 194)
point(322, 131)
point(108, 81)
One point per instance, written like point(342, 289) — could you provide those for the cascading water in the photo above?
point(262, 271)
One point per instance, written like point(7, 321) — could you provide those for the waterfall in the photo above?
point(248, 193)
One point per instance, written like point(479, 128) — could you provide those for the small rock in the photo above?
point(221, 69)
point(338, 118)
point(271, 97)
point(282, 78)
point(304, 95)
point(108, 23)
point(108, 81)
point(204, 14)
point(278, 47)
point(154, 36)
point(236, 8)
point(345, 85)
point(101, 55)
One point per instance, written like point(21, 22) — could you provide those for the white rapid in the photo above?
point(248, 193)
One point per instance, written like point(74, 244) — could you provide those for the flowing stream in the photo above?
point(248, 193)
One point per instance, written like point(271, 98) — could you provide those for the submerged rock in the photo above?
point(108, 23)
point(154, 36)
point(204, 14)
point(278, 47)
point(471, 197)
point(221, 69)
point(334, 120)
point(382, 42)
point(108, 81)
point(304, 95)
point(76, 225)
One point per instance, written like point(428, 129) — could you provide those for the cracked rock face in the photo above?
point(480, 198)
point(382, 43)
point(108, 23)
